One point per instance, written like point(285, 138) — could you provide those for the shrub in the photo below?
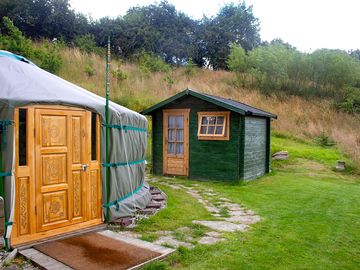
point(169, 80)
point(350, 100)
point(324, 140)
point(190, 68)
point(119, 74)
point(12, 40)
point(150, 63)
point(89, 69)
point(87, 43)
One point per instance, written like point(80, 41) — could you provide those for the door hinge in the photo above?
point(35, 210)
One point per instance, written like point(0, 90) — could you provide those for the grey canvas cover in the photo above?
point(23, 84)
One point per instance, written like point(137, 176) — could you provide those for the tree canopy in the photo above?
point(158, 29)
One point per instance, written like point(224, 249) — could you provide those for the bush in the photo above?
point(324, 140)
point(12, 40)
point(87, 43)
point(150, 63)
point(350, 100)
point(119, 74)
point(89, 69)
point(190, 68)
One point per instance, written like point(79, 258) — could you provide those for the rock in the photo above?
point(340, 166)
point(11, 267)
point(164, 232)
point(213, 234)
point(208, 240)
point(238, 213)
point(281, 155)
point(223, 226)
point(184, 229)
point(9, 258)
point(224, 200)
point(168, 240)
point(212, 209)
point(244, 219)
point(154, 204)
point(147, 211)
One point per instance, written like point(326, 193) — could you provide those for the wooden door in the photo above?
point(176, 142)
point(58, 183)
point(60, 167)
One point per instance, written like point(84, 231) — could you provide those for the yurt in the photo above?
point(53, 155)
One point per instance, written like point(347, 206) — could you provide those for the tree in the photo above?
point(233, 24)
point(237, 59)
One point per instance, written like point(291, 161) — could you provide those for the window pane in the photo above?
point(211, 130)
point(93, 137)
point(180, 135)
point(179, 121)
point(22, 137)
point(219, 130)
point(204, 120)
point(171, 134)
point(180, 148)
point(171, 148)
point(203, 130)
point(220, 120)
point(171, 121)
point(211, 120)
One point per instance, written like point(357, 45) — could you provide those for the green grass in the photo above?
point(310, 217)
point(180, 211)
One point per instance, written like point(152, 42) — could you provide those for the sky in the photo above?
point(305, 24)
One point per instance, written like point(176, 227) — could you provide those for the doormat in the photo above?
point(95, 251)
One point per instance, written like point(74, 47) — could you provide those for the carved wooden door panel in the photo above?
point(176, 142)
point(60, 164)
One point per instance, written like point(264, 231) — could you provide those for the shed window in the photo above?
point(213, 125)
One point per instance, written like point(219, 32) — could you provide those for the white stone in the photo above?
point(208, 240)
point(237, 213)
point(224, 199)
point(223, 226)
point(168, 240)
point(214, 234)
point(244, 219)
point(212, 209)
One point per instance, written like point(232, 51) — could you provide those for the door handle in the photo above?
point(84, 167)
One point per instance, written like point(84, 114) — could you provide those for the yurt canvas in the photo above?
point(53, 155)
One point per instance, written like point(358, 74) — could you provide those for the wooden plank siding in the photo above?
point(208, 159)
point(255, 157)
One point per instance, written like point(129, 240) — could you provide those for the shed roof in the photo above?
point(229, 104)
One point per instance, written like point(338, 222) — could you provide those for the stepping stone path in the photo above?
point(229, 216)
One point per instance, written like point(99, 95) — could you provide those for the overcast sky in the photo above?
point(306, 24)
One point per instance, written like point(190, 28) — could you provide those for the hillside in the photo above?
point(297, 117)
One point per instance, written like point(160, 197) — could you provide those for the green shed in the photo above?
point(208, 137)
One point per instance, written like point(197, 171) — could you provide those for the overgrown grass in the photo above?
point(310, 217)
point(297, 117)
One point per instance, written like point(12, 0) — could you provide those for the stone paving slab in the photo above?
point(168, 240)
point(223, 226)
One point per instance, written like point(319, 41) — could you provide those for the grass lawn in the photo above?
point(310, 217)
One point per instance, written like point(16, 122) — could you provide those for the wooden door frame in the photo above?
point(186, 114)
point(27, 173)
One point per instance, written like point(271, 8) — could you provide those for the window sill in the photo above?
point(213, 138)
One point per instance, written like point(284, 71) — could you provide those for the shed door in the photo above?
point(176, 142)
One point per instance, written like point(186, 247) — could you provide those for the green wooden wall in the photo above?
point(255, 157)
point(207, 159)
point(219, 160)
